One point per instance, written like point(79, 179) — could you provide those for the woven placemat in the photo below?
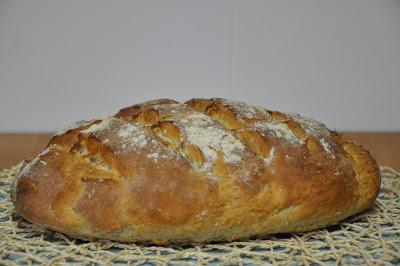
point(372, 237)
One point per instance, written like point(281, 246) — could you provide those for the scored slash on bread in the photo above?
point(206, 170)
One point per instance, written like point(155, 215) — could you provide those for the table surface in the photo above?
point(14, 147)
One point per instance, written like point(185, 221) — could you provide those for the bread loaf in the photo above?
point(206, 170)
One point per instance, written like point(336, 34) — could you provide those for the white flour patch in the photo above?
point(245, 110)
point(315, 129)
point(270, 156)
point(174, 109)
point(153, 156)
point(210, 137)
point(119, 134)
point(327, 147)
point(280, 130)
point(311, 126)
point(73, 126)
point(95, 128)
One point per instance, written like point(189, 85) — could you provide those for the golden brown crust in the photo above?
point(206, 170)
point(367, 172)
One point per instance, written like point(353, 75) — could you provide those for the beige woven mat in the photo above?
point(372, 237)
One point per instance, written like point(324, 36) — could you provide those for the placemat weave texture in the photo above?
point(372, 237)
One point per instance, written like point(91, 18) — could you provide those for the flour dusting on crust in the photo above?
point(153, 156)
point(172, 108)
point(327, 147)
point(279, 130)
point(35, 160)
point(119, 134)
point(315, 129)
point(95, 128)
point(311, 126)
point(26, 168)
point(169, 110)
point(73, 126)
point(243, 109)
point(210, 137)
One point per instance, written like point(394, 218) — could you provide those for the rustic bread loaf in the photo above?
point(206, 170)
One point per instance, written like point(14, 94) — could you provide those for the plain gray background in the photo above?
point(335, 61)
